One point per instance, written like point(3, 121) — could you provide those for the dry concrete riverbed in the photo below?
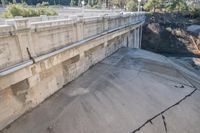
point(130, 91)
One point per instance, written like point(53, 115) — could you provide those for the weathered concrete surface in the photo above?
point(39, 58)
point(119, 95)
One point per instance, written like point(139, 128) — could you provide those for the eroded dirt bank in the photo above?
point(167, 33)
point(174, 36)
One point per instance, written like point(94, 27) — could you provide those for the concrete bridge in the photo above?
point(95, 76)
point(38, 56)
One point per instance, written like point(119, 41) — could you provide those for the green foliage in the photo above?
point(178, 5)
point(118, 3)
point(193, 11)
point(131, 6)
point(114, 2)
point(13, 10)
point(153, 5)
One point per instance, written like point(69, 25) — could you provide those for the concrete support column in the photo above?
point(135, 38)
point(140, 45)
point(130, 39)
point(138, 38)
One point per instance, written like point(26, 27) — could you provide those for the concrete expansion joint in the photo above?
point(162, 112)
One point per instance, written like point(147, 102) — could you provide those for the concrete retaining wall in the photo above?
point(38, 58)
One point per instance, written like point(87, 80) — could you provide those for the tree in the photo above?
point(178, 5)
point(193, 10)
point(93, 2)
point(131, 6)
point(73, 2)
point(153, 5)
point(119, 3)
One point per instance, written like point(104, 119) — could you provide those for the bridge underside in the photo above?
point(130, 91)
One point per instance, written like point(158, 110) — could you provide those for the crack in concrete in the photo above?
point(164, 122)
point(162, 112)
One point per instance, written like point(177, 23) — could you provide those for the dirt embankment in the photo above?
point(167, 33)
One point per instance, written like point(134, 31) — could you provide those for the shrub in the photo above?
point(131, 6)
point(153, 5)
point(194, 11)
point(178, 5)
point(45, 11)
point(25, 11)
point(43, 4)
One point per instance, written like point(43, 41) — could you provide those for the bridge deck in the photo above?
point(119, 95)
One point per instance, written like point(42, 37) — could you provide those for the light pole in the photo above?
point(139, 1)
point(83, 4)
